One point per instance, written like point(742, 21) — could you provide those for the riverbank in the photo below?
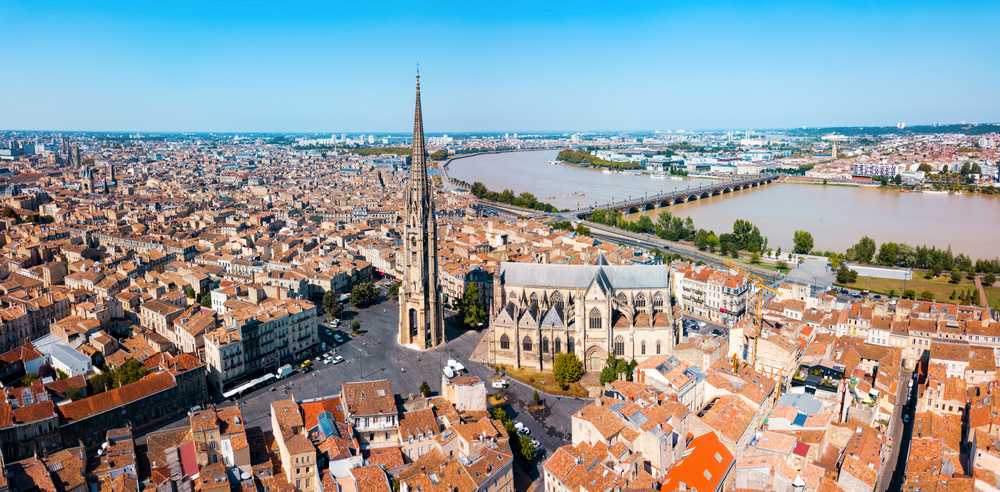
point(941, 288)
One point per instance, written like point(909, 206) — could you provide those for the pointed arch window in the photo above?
point(642, 348)
point(533, 302)
point(657, 347)
point(556, 346)
point(658, 302)
point(640, 302)
point(504, 342)
point(622, 300)
point(595, 319)
point(570, 345)
point(526, 344)
point(556, 299)
point(545, 345)
point(619, 345)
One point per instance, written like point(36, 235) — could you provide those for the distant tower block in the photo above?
point(834, 149)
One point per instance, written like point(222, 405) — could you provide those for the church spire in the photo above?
point(418, 166)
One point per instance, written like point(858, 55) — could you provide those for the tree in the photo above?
point(926, 296)
point(909, 294)
point(46, 371)
point(989, 278)
point(9, 213)
point(609, 373)
point(355, 326)
point(425, 389)
point(754, 258)
point(865, 249)
point(499, 414)
point(190, 293)
point(953, 295)
point(73, 393)
point(528, 451)
point(567, 368)
point(393, 290)
point(439, 155)
point(29, 378)
point(364, 294)
point(536, 399)
point(803, 242)
point(846, 275)
point(897, 180)
point(781, 264)
point(925, 168)
point(956, 276)
point(205, 301)
point(470, 312)
point(887, 254)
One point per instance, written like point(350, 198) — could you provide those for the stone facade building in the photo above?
point(589, 310)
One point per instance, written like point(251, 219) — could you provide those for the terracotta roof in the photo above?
point(109, 400)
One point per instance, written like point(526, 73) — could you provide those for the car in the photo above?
point(702, 324)
point(327, 359)
point(328, 332)
point(338, 359)
point(716, 332)
point(537, 444)
point(338, 338)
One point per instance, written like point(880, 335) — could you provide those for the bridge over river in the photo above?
point(646, 203)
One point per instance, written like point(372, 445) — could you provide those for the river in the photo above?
point(836, 216)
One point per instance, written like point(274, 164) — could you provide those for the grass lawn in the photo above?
point(762, 264)
point(941, 287)
point(535, 378)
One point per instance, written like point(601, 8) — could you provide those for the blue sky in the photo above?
point(494, 66)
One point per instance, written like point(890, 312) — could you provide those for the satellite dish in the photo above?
point(244, 476)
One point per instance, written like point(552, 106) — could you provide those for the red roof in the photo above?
point(102, 402)
point(702, 467)
point(801, 449)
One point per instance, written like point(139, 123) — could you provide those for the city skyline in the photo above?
point(252, 67)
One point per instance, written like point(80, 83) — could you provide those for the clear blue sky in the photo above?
point(494, 66)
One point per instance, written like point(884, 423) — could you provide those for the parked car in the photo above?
point(328, 332)
point(337, 338)
point(338, 359)
point(702, 324)
point(327, 359)
point(500, 383)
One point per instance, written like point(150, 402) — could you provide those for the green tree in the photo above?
point(582, 230)
point(909, 294)
point(536, 399)
point(29, 378)
point(9, 213)
point(803, 242)
point(73, 393)
point(846, 275)
point(926, 296)
point(191, 293)
point(989, 278)
point(425, 389)
point(781, 265)
point(470, 312)
point(887, 254)
point(355, 326)
point(567, 368)
point(499, 414)
point(712, 241)
point(331, 304)
point(439, 155)
point(953, 295)
point(754, 258)
point(364, 294)
point(925, 167)
point(865, 249)
point(206, 301)
point(897, 180)
point(393, 290)
point(956, 276)
point(528, 451)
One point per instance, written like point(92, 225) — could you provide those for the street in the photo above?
point(900, 434)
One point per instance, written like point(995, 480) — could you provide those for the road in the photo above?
point(900, 434)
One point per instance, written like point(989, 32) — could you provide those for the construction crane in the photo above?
point(758, 316)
